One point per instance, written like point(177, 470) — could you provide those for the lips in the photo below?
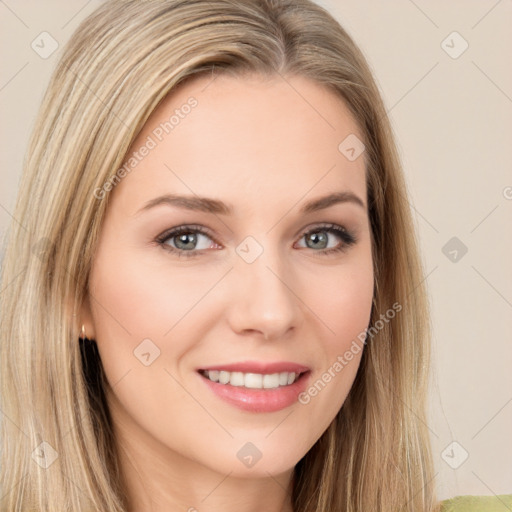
point(257, 386)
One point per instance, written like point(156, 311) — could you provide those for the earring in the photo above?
point(84, 337)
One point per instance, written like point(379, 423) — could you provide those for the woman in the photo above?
point(215, 298)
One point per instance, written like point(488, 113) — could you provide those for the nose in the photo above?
point(263, 302)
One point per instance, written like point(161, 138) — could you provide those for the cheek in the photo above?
point(135, 298)
point(342, 300)
point(145, 320)
point(346, 305)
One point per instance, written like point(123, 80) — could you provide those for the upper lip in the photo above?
point(259, 367)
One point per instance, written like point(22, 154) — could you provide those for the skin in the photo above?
point(265, 146)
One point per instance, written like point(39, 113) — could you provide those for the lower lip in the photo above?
point(259, 400)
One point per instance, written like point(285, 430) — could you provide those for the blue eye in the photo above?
point(189, 240)
point(323, 239)
point(186, 240)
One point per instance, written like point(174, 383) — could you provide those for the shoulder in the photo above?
point(501, 503)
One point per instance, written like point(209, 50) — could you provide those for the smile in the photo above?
point(257, 387)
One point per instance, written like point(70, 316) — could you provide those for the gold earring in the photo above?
point(83, 332)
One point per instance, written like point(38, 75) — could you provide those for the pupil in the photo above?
point(186, 241)
point(318, 240)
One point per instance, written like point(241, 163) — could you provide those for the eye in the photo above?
point(189, 240)
point(328, 238)
point(186, 240)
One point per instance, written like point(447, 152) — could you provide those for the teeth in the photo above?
point(237, 379)
point(224, 377)
point(252, 380)
point(271, 381)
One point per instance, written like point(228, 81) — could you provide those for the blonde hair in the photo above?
point(119, 65)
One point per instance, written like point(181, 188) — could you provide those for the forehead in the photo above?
point(247, 140)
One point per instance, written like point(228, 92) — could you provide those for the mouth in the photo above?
point(257, 387)
point(252, 380)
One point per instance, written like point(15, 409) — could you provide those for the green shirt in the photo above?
point(502, 503)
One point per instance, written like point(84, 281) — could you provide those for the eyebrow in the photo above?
point(209, 205)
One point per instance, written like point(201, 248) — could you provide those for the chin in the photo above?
point(257, 459)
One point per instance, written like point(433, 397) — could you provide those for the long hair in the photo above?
point(122, 61)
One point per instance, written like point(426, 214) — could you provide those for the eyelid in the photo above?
point(176, 230)
point(323, 225)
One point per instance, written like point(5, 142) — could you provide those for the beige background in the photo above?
point(453, 122)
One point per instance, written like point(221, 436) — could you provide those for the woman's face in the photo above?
point(236, 248)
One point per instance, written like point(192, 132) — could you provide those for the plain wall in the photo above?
point(452, 116)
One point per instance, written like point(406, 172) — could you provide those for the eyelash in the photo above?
point(348, 239)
